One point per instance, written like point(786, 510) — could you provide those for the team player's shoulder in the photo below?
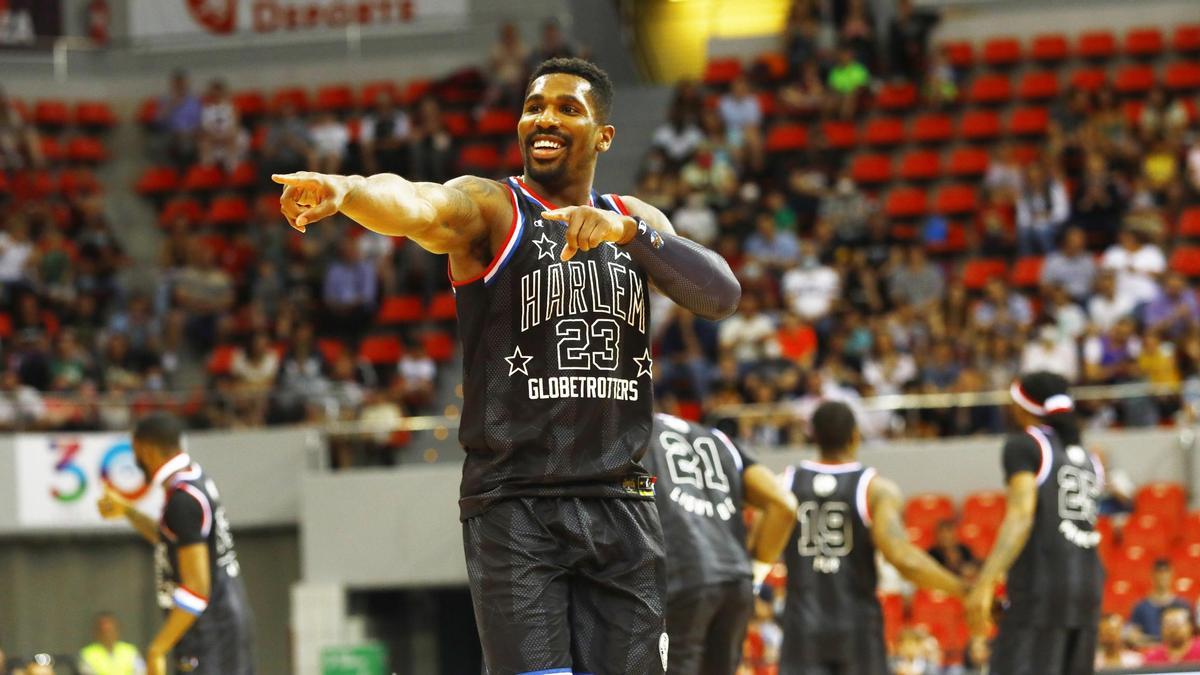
point(187, 514)
point(1022, 452)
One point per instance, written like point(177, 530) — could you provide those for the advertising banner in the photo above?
point(30, 24)
point(61, 476)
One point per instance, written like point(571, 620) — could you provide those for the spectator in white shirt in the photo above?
point(1106, 306)
point(679, 136)
point(1051, 351)
point(888, 369)
point(1071, 267)
point(696, 220)
point(1138, 264)
point(222, 139)
point(1072, 321)
point(1004, 173)
point(1042, 207)
point(331, 139)
point(418, 372)
point(16, 249)
point(811, 288)
point(749, 335)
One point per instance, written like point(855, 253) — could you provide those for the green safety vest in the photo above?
point(123, 660)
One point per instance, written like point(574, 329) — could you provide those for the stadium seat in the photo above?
point(243, 176)
point(1027, 272)
point(203, 179)
point(1096, 45)
point(186, 208)
point(960, 54)
point(439, 345)
point(497, 122)
point(147, 114)
point(1038, 85)
point(1144, 42)
point(1149, 532)
point(86, 150)
point(921, 537)
point(400, 309)
point(380, 350)
point(884, 131)
point(968, 162)
point(95, 115)
point(1002, 51)
point(512, 160)
point(1186, 558)
point(33, 185)
point(442, 307)
point(839, 135)
point(72, 182)
point(772, 64)
point(1089, 79)
point(787, 137)
point(250, 105)
point(220, 362)
point(1186, 39)
point(51, 114)
point(1182, 76)
point(297, 96)
point(1187, 587)
point(977, 272)
point(1132, 564)
point(920, 165)
point(337, 98)
point(871, 169)
point(457, 123)
point(927, 510)
point(331, 349)
point(371, 91)
point(1026, 153)
point(415, 91)
point(1189, 223)
point(51, 148)
point(722, 71)
point(1134, 79)
point(768, 104)
point(1049, 48)
point(1120, 596)
point(1186, 261)
point(985, 508)
point(977, 538)
point(6, 327)
point(1167, 502)
point(893, 615)
point(954, 243)
point(936, 609)
point(479, 158)
point(906, 203)
point(955, 200)
point(980, 125)
point(227, 211)
point(158, 180)
point(896, 97)
point(693, 411)
point(989, 89)
point(932, 128)
point(1029, 122)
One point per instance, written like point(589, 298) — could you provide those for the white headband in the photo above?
point(1055, 404)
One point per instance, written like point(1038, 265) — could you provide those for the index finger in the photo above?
point(297, 178)
point(560, 215)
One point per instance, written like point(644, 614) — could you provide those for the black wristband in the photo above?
point(648, 234)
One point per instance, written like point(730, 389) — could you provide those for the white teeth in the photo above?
point(548, 144)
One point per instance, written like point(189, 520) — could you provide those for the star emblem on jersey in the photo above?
point(619, 252)
point(517, 362)
point(644, 363)
point(545, 247)
point(824, 484)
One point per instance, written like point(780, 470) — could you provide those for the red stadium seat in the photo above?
point(225, 211)
point(251, 104)
point(331, 349)
point(1186, 558)
point(158, 180)
point(1186, 39)
point(977, 538)
point(921, 537)
point(954, 243)
point(980, 125)
point(1120, 596)
point(1029, 122)
point(371, 92)
point(497, 122)
point(203, 178)
point(94, 115)
point(1189, 223)
point(927, 510)
point(1002, 51)
point(147, 114)
point(512, 159)
point(896, 97)
point(336, 98)
point(884, 131)
point(6, 327)
point(921, 165)
point(72, 182)
point(220, 362)
point(722, 71)
point(1027, 272)
point(1049, 48)
point(1167, 502)
point(1132, 564)
point(1188, 588)
point(479, 157)
point(787, 137)
point(4, 186)
point(438, 345)
point(893, 615)
point(1143, 42)
point(692, 411)
point(380, 350)
point(871, 169)
point(442, 307)
point(960, 54)
point(839, 135)
point(774, 65)
point(457, 123)
point(986, 508)
point(968, 162)
point(1182, 76)
point(400, 309)
point(1134, 79)
point(906, 203)
point(977, 272)
point(1089, 79)
point(768, 104)
point(51, 148)
point(1186, 261)
point(1149, 532)
point(942, 614)
point(33, 185)
point(954, 200)
point(86, 150)
point(51, 114)
point(932, 128)
point(990, 89)
point(1026, 154)
point(1038, 85)
point(415, 91)
point(187, 208)
point(244, 175)
point(297, 96)
point(1096, 45)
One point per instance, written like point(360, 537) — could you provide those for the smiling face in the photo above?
point(561, 129)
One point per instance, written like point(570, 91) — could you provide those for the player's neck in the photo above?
point(571, 193)
point(844, 457)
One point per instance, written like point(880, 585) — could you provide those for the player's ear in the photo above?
point(604, 137)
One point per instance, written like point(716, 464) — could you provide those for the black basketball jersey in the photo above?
point(1057, 579)
point(699, 494)
point(192, 514)
point(831, 573)
point(556, 367)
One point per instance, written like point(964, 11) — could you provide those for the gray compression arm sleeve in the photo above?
point(694, 277)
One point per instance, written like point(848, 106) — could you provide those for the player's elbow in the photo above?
point(724, 294)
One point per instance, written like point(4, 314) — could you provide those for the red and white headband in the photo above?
point(1055, 404)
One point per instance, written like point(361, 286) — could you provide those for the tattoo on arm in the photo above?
point(1015, 529)
point(891, 538)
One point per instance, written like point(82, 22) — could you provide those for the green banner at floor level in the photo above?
point(366, 659)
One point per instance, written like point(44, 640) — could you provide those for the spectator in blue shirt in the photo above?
point(351, 290)
point(1174, 310)
point(179, 117)
point(1147, 615)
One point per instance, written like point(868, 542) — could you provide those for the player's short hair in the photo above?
point(602, 87)
point(160, 429)
point(833, 426)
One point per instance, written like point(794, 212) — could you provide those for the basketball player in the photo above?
point(703, 479)
point(1047, 542)
point(209, 625)
point(563, 544)
point(832, 621)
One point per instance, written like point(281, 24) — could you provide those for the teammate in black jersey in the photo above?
point(209, 624)
point(703, 482)
point(1047, 542)
point(563, 545)
point(832, 622)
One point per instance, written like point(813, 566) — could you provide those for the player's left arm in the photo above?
point(885, 501)
point(1010, 541)
point(764, 491)
point(191, 599)
point(695, 277)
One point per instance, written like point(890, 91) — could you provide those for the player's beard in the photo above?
point(548, 174)
point(143, 468)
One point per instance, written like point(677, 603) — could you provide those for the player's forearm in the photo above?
point(1010, 541)
point(776, 528)
point(920, 568)
point(695, 277)
point(387, 204)
point(143, 524)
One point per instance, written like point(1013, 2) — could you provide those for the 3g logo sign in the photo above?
point(117, 469)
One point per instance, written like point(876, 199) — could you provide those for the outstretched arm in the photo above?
point(1010, 541)
point(112, 505)
point(890, 537)
point(763, 491)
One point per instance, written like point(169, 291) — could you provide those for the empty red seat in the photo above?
point(457, 123)
point(86, 150)
point(1166, 501)
point(1132, 564)
point(1182, 76)
point(1187, 587)
point(76, 181)
point(977, 538)
point(439, 345)
point(960, 53)
point(380, 350)
point(896, 96)
point(871, 169)
point(1002, 51)
point(1134, 78)
point(1089, 79)
point(1149, 532)
point(893, 616)
point(1049, 47)
point(1038, 85)
point(1143, 42)
point(512, 158)
point(839, 135)
point(906, 202)
point(989, 89)
point(722, 71)
point(1186, 261)
point(249, 104)
point(186, 208)
point(1029, 122)
point(942, 614)
point(773, 64)
point(932, 128)
point(787, 137)
point(50, 113)
point(4, 186)
point(1186, 558)
point(400, 309)
point(1119, 597)
point(244, 175)
point(1096, 44)
point(229, 210)
point(482, 157)
point(147, 114)
point(33, 185)
point(1027, 272)
point(1186, 39)
point(921, 165)
point(968, 161)
point(334, 98)
point(94, 115)
point(985, 508)
point(442, 307)
point(884, 131)
point(928, 509)
point(1189, 222)
point(497, 122)
point(52, 150)
point(980, 125)
point(203, 178)
point(372, 91)
point(331, 349)
point(296, 96)
point(415, 90)
point(977, 272)
point(953, 200)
